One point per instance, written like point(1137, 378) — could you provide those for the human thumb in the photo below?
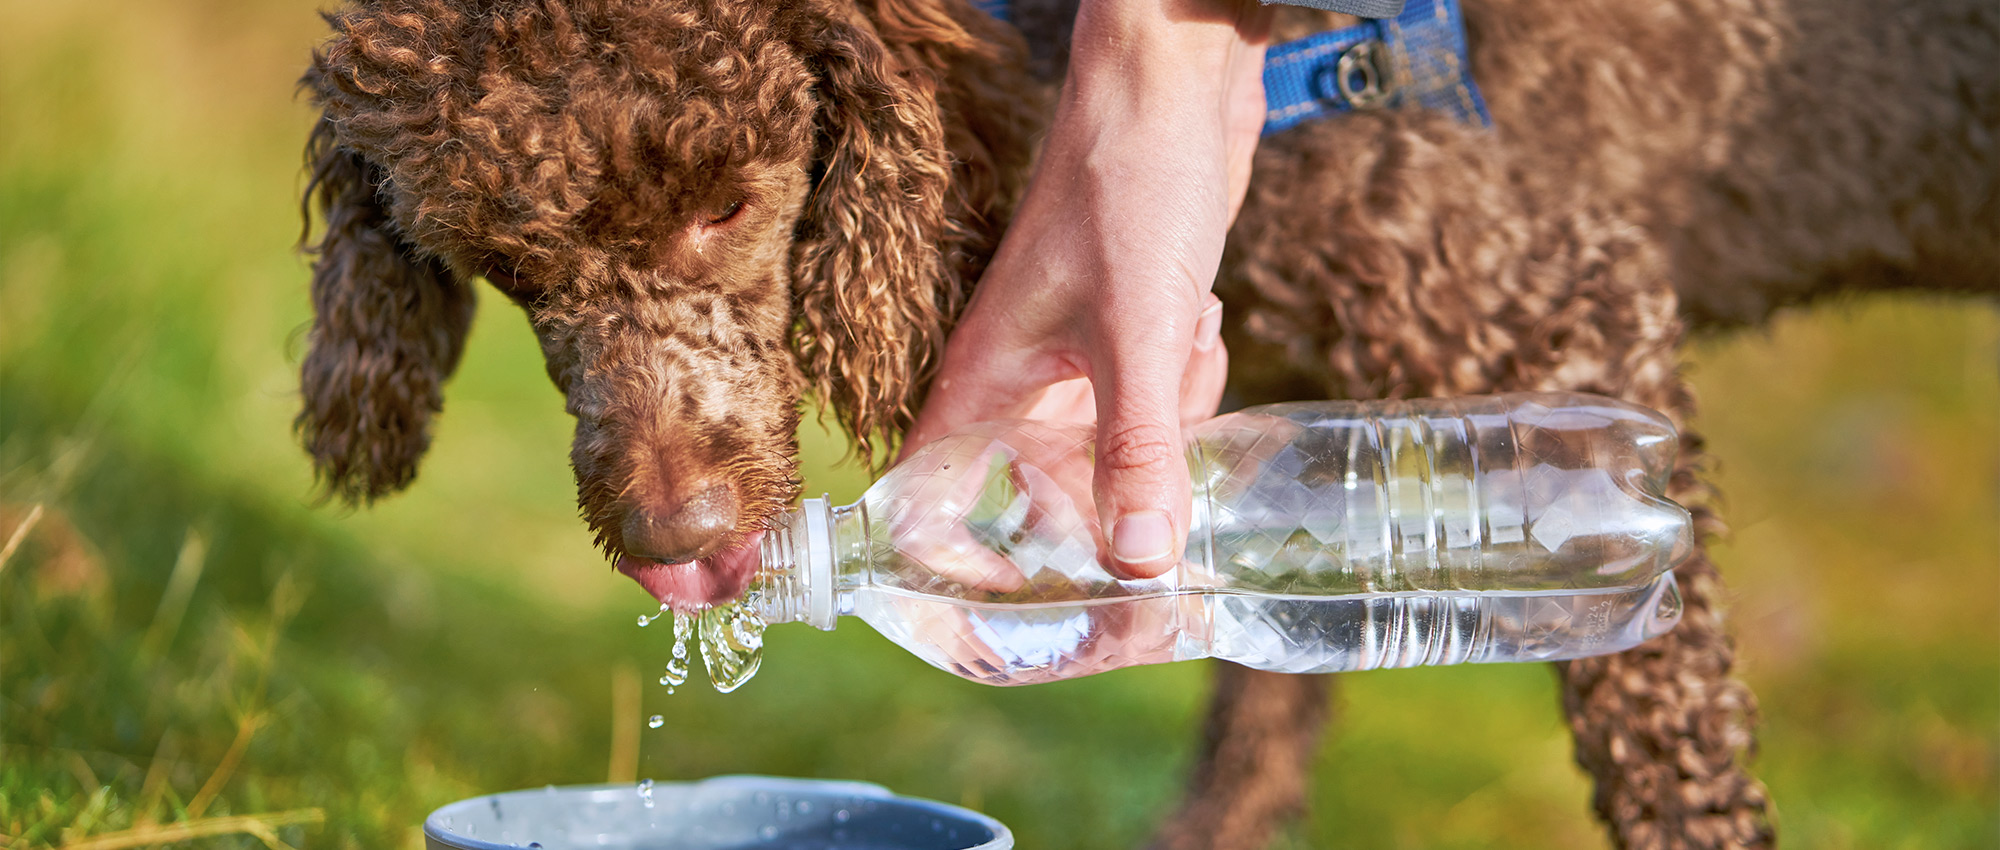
point(1141, 478)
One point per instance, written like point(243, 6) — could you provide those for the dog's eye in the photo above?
point(726, 214)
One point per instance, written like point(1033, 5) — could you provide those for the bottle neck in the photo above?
point(812, 560)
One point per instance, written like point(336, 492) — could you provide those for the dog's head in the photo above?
point(704, 206)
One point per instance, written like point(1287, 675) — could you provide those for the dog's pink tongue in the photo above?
point(697, 584)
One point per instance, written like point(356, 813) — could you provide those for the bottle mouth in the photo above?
point(793, 582)
point(774, 588)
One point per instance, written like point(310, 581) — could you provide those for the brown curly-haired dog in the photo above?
point(708, 207)
point(704, 207)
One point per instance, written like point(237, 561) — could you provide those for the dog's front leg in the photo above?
point(1256, 753)
point(1660, 727)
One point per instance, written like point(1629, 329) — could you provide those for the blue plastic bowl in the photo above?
point(733, 812)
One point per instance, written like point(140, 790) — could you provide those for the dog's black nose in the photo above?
point(694, 529)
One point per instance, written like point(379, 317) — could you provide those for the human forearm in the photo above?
point(1153, 76)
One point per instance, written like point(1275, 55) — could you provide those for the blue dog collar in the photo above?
point(999, 9)
point(1417, 58)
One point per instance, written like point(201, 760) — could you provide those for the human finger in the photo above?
point(1207, 368)
point(1141, 482)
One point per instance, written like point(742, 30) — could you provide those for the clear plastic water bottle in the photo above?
point(1325, 536)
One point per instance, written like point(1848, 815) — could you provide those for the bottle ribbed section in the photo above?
point(779, 591)
point(1426, 463)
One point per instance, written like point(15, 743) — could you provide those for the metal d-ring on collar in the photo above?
point(1364, 76)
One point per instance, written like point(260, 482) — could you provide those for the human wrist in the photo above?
point(1153, 51)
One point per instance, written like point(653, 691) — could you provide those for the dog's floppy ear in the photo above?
point(873, 292)
point(388, 326)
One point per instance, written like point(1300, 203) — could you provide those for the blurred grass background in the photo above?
point(185, 639)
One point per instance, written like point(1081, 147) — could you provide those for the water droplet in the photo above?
point(732, 644)
point(655, 722)
point(842, 815)
point(645, 620)
point(768, 832)
point(676, 673)
point(646, 791)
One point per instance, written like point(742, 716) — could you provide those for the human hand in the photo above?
point(1102, 281)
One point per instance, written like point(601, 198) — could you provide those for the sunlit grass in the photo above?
point(187, 643)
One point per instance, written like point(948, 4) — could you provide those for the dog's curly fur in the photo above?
point(710, 207)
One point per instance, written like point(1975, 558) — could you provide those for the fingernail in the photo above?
point(1208, 329)
point(1143, 537)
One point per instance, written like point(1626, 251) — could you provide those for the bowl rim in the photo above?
point(436, 834)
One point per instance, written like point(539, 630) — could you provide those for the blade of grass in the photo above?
point(260, 826)
point(286, 597)
point(20, 534)
point(624, 725)
point(245, 728)
point(173, 603)
point(269, 836)
point(155, 782)
point(84, 775)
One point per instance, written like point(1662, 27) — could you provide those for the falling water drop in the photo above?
point(676, 673)
point(646, 791)
point(647, 619)
point(655, 722)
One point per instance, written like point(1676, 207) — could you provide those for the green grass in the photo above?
point(357, 669)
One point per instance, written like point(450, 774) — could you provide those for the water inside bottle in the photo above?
point(1018, 644)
